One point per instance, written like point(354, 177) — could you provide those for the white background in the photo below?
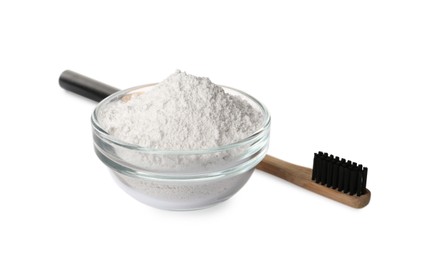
point(345, 77)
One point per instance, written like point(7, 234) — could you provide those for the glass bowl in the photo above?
point(180, 179)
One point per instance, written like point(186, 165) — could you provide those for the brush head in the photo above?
point(340, 174)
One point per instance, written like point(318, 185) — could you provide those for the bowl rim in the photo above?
point(249, 139)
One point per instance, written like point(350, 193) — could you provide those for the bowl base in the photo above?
point(181, 196)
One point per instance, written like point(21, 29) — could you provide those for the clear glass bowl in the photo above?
point(180, 179)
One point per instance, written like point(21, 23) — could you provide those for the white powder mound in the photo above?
point(181, 112)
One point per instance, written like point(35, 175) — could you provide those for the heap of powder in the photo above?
point(181, 112)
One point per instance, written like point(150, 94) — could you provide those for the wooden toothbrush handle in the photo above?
point(301, 176)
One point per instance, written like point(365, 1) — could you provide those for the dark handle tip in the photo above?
point(85, 86)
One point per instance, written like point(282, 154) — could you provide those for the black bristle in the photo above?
point(346, 177)
point(320, 168)
point(329, 171)
point(315, 166)
point(324, 170)
point(335, 171)
point(353, 179)
point(359, 180)
point(364, 178)
point(340, 174)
